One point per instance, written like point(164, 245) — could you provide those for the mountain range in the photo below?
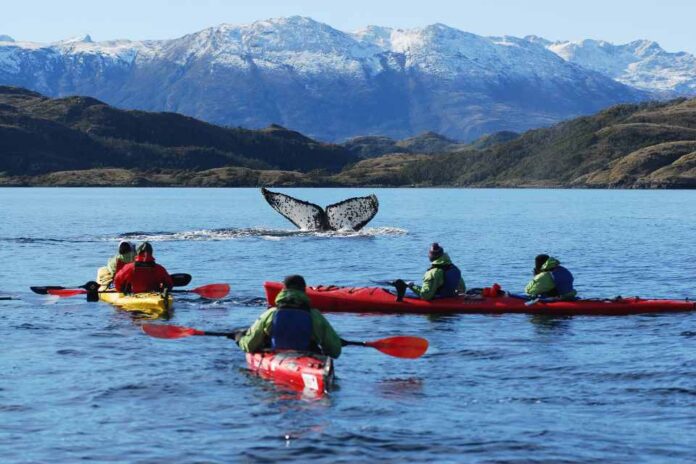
point(333, 85)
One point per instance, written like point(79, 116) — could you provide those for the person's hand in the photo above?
point(237, 335)
point(410, 285)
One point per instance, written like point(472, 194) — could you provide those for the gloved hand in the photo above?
point(400, 286)
point(237, 335)
point(410, 285)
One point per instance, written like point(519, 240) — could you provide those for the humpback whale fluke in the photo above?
point(352, 213)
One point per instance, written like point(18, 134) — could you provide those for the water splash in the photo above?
point(210, 235)
point(255, 232)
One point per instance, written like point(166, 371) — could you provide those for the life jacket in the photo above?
point(292, 329)
point(147, 276)
point(119, 265)
point(563, 280)
point(452, 278)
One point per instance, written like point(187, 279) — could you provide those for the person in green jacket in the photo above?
point(291, 325)
point(442, 280)
point(125, 255)
point(551, 280)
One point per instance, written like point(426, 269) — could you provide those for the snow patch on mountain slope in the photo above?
point(642, 64)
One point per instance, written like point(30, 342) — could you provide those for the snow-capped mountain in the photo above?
point(324, 82)
point(642, 64)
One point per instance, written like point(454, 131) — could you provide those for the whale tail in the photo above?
point(351, 214)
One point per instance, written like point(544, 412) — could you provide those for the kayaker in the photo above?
point(143, 275)
point(550, 279)
point(125, 255)
point(442, 280)
point(291, 325)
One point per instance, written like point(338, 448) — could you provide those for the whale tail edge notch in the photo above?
point(351, 214)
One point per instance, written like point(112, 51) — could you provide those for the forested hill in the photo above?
point(39, 135)
point(80, 141)
point(650, 145)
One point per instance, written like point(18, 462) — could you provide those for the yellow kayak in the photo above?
point(150, 305)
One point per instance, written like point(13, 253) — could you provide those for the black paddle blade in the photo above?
point(181, 279)
point(401, 287)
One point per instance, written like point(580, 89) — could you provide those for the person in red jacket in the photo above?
point(143, 275)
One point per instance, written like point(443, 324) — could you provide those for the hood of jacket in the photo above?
point(144, 258)
point(550, 264)
point(443, 260)
point(292, 298)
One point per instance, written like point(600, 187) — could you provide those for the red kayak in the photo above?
point(381, 300)
point(305, 372)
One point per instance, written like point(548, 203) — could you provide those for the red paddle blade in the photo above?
point(213, 291)
point(169, 331)
point(66, 292)
point(401, 347)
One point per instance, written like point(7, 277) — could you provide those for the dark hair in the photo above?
point(124, 247)
point(145, 247)
point(540, 260)
point(295, 282)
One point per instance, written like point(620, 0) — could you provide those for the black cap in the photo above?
point(295, 282)
point(145, 247)
point(435, 251)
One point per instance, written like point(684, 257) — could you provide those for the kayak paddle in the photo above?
point(180, 280)
point(174, 331)
point(390, 283)
point(211, 292)
point(43, 290)
point(399, 347)
point(66, 292)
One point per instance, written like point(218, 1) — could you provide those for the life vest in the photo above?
point(119, 265)
point(563, 280)
point(147, 275)
point(452, 278)
point(292, 329)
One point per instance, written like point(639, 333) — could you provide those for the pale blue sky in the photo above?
point(670, 22)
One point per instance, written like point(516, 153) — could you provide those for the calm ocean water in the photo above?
point(80, 381)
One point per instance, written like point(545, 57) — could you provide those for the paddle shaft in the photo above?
point(211, 291)
point(179, 279)
point(216, 334)
point(352, 343)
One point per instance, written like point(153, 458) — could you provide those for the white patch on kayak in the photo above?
point(310, 382)
point(350, 214)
